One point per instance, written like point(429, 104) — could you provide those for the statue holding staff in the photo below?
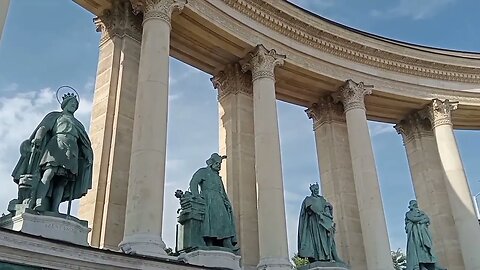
point(58, 165)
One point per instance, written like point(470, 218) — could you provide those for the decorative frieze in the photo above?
point(413, 126)
point(439, 112)
point(119, 21)
point(269, 14)
point(352, 95)
point(325, 111)
point(232, 80)
point(262, 62)
point(158, 9)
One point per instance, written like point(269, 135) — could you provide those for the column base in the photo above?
point(274, 263)
point(143, 244)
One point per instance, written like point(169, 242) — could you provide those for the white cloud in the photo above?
point(414, 9)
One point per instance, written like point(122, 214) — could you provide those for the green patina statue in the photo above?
point(206, 214)
point(316, 229)
point(420, 251)
point(55, 163)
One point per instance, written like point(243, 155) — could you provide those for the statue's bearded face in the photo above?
point(314, 189)
point(216, 165)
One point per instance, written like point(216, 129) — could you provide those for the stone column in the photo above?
point(429, 181)
point(272, 228)
point(336, 175)
point(372, 218)
point(459, 195)
point(237, 142)
point(3, 14)
point(144, 213)
point(111, 124)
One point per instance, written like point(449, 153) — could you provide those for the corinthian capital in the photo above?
point(413, 126)
point(352, 95)
point(158, 9)
point(120, 21)
point(262, 62)
point(232, 80)
point(325, 111)
point(439, 112)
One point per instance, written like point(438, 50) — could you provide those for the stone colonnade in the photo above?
point(130, 143)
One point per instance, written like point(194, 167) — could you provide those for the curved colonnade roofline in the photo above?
point(321, 55)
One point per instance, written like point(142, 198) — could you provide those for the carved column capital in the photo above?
point(439, 112)
point(262, 62)
point(158, 9)
point(232, 80)
point(119, 21)
point(325, 111)
point(352, 95)
point(414, 126)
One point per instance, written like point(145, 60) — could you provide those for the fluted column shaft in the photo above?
point(143, 221)
point(272, 227)
point(429, 180)
point(236, 140)
point(372, 218)
point(466, 223)
point(3, 15)
point(336, 176)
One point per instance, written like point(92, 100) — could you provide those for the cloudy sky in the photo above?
point(50, 43)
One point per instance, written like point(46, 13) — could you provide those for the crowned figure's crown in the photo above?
point(69, 95)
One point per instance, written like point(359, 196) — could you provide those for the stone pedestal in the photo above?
point(324, 266)
point(212, 258)
point(57, 227)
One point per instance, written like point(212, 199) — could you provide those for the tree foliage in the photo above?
point(297, 261)
point(399, 260)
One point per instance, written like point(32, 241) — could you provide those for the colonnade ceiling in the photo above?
point(321, 55)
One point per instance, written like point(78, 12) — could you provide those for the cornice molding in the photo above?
point(266, 13)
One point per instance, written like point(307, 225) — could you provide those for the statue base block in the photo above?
point(50, 226)
point(324, 266)
point(212, 258)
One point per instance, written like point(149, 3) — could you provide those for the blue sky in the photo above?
point(50, 43)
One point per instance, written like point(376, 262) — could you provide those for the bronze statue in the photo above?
point(316, 229)
point(56, 161)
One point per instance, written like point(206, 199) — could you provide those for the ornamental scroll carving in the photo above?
point(158, 9)
point(352, 95)
point(262, 62)
point(414, 126)
point(119, 21)
point(439, 112)
point(325, 111)
point(232, 80)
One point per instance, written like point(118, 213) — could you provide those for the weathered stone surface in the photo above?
point(324, 266)
point(212, 258)
point(56, 226)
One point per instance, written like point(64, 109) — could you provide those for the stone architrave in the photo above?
point(458, 191)
point(429, 180)
point(372, 218)
point(237, 142)
point(272, 228)
point(336, 177)
point(144, 211)
point(111, 124)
